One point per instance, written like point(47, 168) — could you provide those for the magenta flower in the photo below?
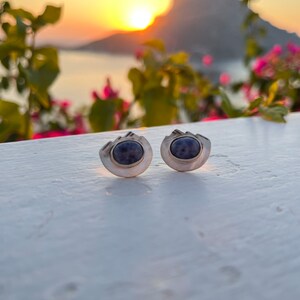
point(207, 60)
point(50, 134)
point(212, 118)
point(293, 48)
point(139, 54)
point(214, 114)
point(125, 105)
point(80, 125)
point(35, 116)
point(250, 93)
point(277, 50)
point(225, 79)
point(259, 65)
point(65, 104)
point(108, 92)
point(95, 95)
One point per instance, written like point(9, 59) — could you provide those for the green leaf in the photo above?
point(251, 18)
point(253, 49)
point(40, 97)
point(6, 62)
point(159, 107)
point(274, 113)
point(50, 16)
point(24, 14)
point(272, 92)
point(5, 26)
point(255, 103)
point(42, 73)
point(19, 30)
point(21, 84)
point(186, 73)
point(8, 108)
point(11, 120)
point(156, 45)
point(12, 46)
point(46, 54)
point(179, 58)
point(235, 87)
point(4, 83)
point(102, 114)
point(227, 106)
point(136, 77)
point(151, 62)
point(6, 5)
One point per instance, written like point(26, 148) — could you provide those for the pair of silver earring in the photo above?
point(131, 155)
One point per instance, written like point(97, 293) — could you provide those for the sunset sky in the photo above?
point(91, 19)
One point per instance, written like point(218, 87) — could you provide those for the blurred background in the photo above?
point(102, 54)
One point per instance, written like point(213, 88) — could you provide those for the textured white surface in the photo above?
point(70, 230)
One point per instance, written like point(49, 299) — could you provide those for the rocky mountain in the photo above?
point(197, 26)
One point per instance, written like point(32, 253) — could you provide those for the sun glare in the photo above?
point(140, 18)
point(129, 15)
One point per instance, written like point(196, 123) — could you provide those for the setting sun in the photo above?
point(140, 18)
point(87, 20)
point(133, 14)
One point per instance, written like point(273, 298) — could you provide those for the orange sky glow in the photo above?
point(83, 21)
point(86, 20)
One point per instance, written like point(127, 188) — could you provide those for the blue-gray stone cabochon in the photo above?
point(185, 148)
point(128, 152)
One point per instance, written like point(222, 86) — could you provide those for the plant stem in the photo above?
point(28, 112)
point(28, 119)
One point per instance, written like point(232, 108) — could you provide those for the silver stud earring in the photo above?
point(127, 156)
point(185, 151)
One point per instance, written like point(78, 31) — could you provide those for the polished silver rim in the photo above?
point(185, 165)
point(127, 171)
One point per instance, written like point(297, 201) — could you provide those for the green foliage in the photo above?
point(166, 87)
point(228, 108)
point(12, 121)
point(254, 32)
point(267, 107)
point(29, 69)
point(102, 114)
point(274, 113)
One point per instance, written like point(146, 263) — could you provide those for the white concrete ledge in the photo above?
point(70, 230)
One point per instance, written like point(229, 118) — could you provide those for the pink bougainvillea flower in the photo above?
point(117, 120)
point(50, 134)
point(108, 92)
point(65, 104)
point(259, 65)
point(293, 48)
point(225, 79)
point(139, 54)
point(277, 50)
point(246, 88)
point(95, 95)
point(35, 116)
point(250, 93)
point(125, 105)
point(80, 125)
point(214, 116)
point(207, 60)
